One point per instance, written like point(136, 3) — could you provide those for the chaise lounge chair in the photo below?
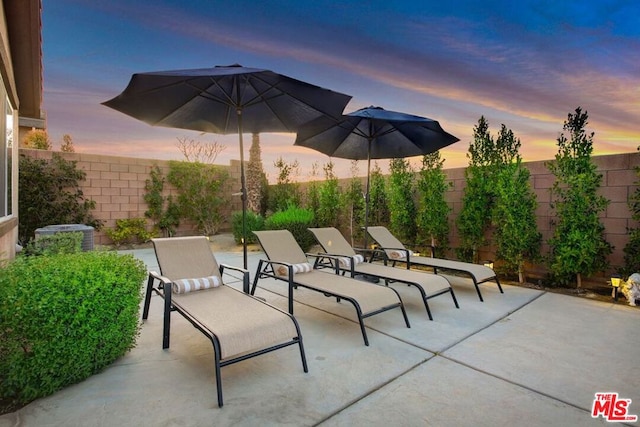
point(334, 243)
point(239, 325)
point(287, 262)
point(397, 252)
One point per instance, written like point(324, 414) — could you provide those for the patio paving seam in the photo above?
point(372, 391)
point(507, 380)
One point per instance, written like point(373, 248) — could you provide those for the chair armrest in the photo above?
point(157, 276)
point(245, 275)
point(320, 255)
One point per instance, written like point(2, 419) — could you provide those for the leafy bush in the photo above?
point(64, 318)
point(254, 222)
point(50, 194)
point(59, 243)
point(201, 196)
point(128, 231)
point(297, 221)
point(166, 219)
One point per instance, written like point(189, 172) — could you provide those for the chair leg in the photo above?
point(499, 286)
point(217, 357)
point(426, 305)
point(475, 283)
point(167, 317)
point(255, 279)
point(453, 295)
point(147, 298)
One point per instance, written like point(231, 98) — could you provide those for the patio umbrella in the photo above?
point(374, 133)
point(226, 100)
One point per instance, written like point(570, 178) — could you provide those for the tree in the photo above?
point(514, 218)
point(378, 201)
point(401, 204)
point(163, 211)
point(286, 192)
point(313, 193)
point(354, 204)
point(200, 198)
point(433, 210)
point(37, 139)
point(632, 248)
point(578, 245)
point(198, 151)
point(330, 203)
point(256, 178)
point(477, 200)
point(50, 194)
point(67, 144)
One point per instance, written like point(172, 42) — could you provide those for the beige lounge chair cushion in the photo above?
point(371, 297)
point(241, 323)
point(183, 286)
point(387, 240)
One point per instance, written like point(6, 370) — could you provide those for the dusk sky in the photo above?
point(525, 63)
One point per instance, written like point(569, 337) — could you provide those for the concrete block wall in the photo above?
point(117, 184)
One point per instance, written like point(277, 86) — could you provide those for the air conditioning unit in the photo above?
point(87, 240)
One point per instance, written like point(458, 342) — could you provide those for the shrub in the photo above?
point(64, 318)
point(128, 231)
point(297, 221)
point(254, 222)
point(201, 194)
point(59, 243)
point(50, 194)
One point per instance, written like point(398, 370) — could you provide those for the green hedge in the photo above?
point(254, 222)
point(297, 221)
point(65, 317)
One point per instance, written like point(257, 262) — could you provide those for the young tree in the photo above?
point(313, 193)
point(37, 139)
point(163, 211)
point(514, 217)
point(401, 204)
point(330, 199)
point(256, 178)
point(67, 144)
point(477, 199)
point(578, 245)
point(286, 192)
point(433, 210)
point(378, 201)
point(198, 151)
point(354, 204)
point(199, 195)
point(632, 248)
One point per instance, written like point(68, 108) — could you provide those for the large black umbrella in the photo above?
point(225, 100)
point(374, 133)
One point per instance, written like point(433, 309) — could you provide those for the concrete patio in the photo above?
point(525, 357)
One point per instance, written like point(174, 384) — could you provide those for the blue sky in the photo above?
point(526, 64)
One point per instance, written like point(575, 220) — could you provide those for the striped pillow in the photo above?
point(345, 262)
point(394, 254)
point(183, 286)
point(303, 267)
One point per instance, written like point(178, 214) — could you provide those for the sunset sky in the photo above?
point(526, 64)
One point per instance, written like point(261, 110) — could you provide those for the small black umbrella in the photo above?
point(374, 133)
point(226, 100)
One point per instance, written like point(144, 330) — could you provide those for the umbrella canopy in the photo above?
point(225, 100)
point(374, 133)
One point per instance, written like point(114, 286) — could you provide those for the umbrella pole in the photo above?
point(366, 196)
point(243, 191)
